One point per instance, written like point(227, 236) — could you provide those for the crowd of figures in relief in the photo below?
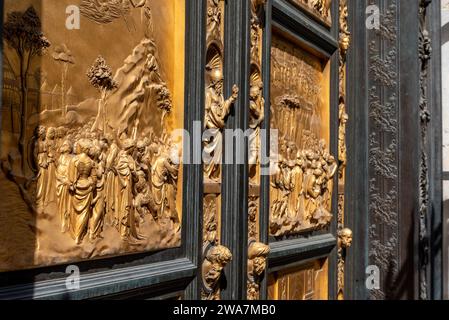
point(97, 179)
point(302, 186)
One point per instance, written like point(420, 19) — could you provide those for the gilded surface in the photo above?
point(88, 165)
point(257, 263)
point(215, 260)
point(319, 8)
point(345, 235)
point(257, 251)
point(302, 186)
point(217, 109)
point(308, 282)
point(215, 256)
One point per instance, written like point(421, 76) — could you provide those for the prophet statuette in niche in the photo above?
point(256, 117)
point(217, 110)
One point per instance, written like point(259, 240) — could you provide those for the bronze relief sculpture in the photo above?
point(319, 8)
point(257, 263)
point(217, 109)
point(303, 180)
point(91, 169)
point(303, 189)
point(345, 234)
point(257, 251)
point(256, 117)
point(215, 260)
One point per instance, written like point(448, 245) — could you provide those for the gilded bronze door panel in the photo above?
point(307, 282)
point(308, 181)
point(217, 109)
point(89, 167)
point(302, 186)
point(96, 172)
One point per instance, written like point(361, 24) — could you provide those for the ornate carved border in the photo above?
point(425, 53)
point(344, 234)
point(383, 169)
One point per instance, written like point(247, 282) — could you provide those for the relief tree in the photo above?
point(100, 76)
point(23, 33)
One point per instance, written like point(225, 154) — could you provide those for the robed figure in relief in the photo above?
point(217, 110)
point(82, 181)
point(63, 184)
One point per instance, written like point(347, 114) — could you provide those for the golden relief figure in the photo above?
point(63, 185)
point(112, 181)
point(257, 251)
point(217, 110)
point(96, 222)
point(92, 169)
point(256, 117)
point(345, 234)
point(302, 184)
point(41, 160)
point(214, 20)
point(257, 263)
point(257, 7)
point(82, 185)
point(126, 172)
point(215, 256)
point(215, 260)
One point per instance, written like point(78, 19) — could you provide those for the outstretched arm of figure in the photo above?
point(258, 110)
point(262, 110)
point(228, 103)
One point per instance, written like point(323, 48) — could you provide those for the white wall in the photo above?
point(445, 73)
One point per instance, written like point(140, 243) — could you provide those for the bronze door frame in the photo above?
point(324, 41)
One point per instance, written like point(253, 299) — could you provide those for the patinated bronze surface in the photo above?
point(89, 167)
